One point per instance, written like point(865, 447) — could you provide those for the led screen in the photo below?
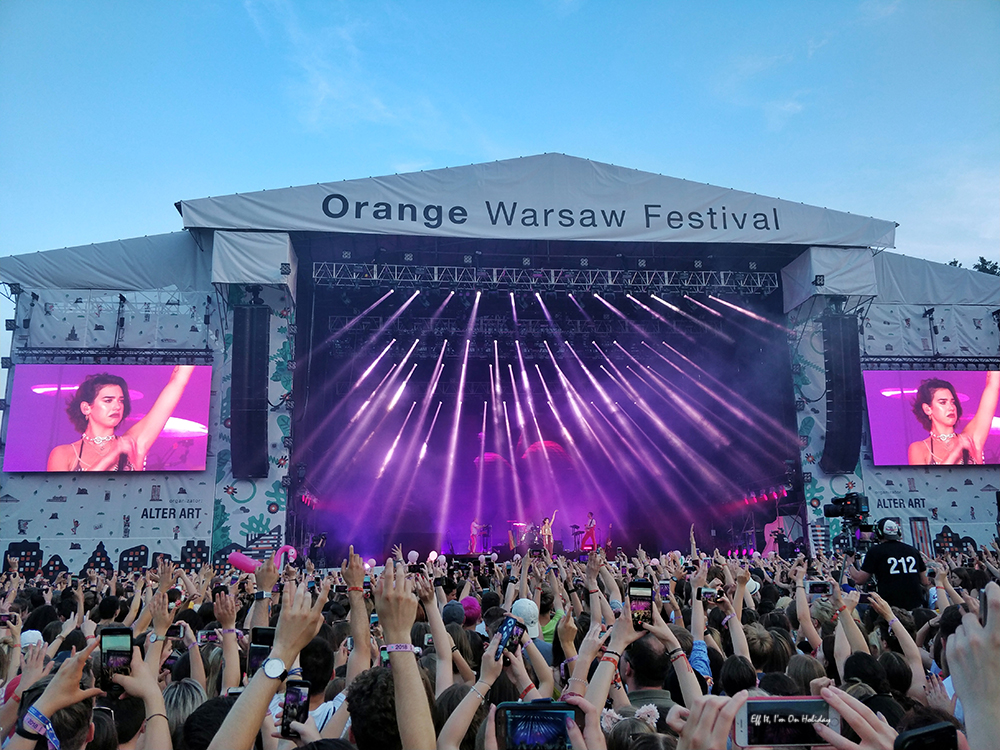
point(927, 417)
point(108, 418)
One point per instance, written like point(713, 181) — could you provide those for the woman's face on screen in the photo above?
point(942, 408)
point(107, 408)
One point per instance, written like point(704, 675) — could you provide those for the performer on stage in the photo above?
point(547, 531)
point(938, 408)
point(98, 407)
point(474, 530)
point(589, 533)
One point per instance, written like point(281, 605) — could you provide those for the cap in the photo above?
point(889, 529)
point(527, 611)
point(30, 638)
point(453, 612)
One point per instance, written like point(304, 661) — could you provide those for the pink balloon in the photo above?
point(241, 562)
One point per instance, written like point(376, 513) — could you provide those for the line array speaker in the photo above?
point(844, 394)
point(248, 400)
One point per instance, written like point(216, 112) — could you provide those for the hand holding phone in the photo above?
point(784, 721)
point(640, 597)
point(510, 630)
point(296, 707)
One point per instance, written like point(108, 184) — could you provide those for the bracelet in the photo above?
point(153, 716)
point(355, 588)
point(894, 619)
point(91, 637)
point(678, 656)
point(527, 690)
point(595, 591)
point(610, 660)
point(578, 679)
point(727, 618)
point(674, 651)
point(609, 651)
point(397, 647)
point(230, 630)
point(482, 698)
point(454, 649)
point(22, 732)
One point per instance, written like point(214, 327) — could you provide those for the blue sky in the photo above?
point(111, 112)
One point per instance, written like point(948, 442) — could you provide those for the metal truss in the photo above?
point(327, 274)
point(940, 362)
point(59, 354)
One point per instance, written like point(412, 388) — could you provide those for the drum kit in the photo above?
point(526, 533)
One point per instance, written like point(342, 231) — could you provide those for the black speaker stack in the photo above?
point(248, 400)
point(844, 393)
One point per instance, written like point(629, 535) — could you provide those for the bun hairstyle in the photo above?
point(87, 392)
point(924, 395)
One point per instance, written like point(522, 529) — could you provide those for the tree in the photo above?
point(955, 262)
point(987, 266)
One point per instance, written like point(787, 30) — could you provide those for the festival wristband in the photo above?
point(390, 647)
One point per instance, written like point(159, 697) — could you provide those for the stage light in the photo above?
point(285, 269)
point(819, 280)
point(15, 288)
point(10, 324)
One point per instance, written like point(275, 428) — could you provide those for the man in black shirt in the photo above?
point(899, 570)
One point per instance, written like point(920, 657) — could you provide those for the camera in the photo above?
point(851, 504)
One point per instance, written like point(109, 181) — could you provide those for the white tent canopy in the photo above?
point(549, 196)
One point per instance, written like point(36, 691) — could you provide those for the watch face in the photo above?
point(274, 668)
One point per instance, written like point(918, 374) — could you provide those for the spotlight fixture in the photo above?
point(408, 257)
point(10, 324)
point(584, 262)
point(5, 363)
point(286, 481)
point(285, 269)
point(525, 262)
point(286, 441)
point(928, 313)
point(345, 255)
point(819, 280)
point(15, 288)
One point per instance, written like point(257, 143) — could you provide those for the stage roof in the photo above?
point(543, 197)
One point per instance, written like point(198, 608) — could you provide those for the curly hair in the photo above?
point(925, 393)
point(373, 710)
point(87, 392)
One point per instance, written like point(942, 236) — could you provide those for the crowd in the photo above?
point(445, 655)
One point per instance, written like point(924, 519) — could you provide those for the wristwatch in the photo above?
point(261, 595)
point(275, 669)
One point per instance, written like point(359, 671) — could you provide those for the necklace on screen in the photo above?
point(944, 437)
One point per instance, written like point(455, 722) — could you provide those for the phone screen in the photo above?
point(296, 706)
point(510, 635)
point(207, 636)
point(116, 657)
point(819, 588)
point(664, 589)
point(175, 631)
point(256, 657)
point(535, 726)
point(640, 596)
point(784, 721)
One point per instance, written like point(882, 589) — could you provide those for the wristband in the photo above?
point(22, 732)
point(727, 618)
point(230, 630)
point(678, 656)
point(674, 651)
point(609, 651)
point(356, 588)
point(595, 591)
point(390, 647)
point(37, 722)
point(527, 690)
point(153, 716)
point(894, 619)
point(610, 660)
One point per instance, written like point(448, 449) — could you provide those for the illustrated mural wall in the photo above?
point(73, 521)
point(941, 508)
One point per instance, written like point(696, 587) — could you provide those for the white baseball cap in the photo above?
point(527, 611)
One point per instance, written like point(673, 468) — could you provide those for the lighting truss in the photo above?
point(328, 274)
point(70, 355)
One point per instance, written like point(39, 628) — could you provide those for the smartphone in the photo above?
point(510, 631)
point(940, 736)
point(175, 631)
point(367, 583)
point(296, 707)
point(785, 721)
point(984, 606)
point(207, 636)
point(373, 620)
point(690, 568)
point(706, 594)
point(349, 643)
point(536, 552)
point(169, 662)
point(261, 640)
point(640, 597)
point(819, 588)
point(383, 655)
point(540, 724)
point(864, 597)
point(414, 569)
point(234, 691)
point(6, 618)
point(311, 585)
point(340, 588)
point(664, 589)
point(116, 657)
